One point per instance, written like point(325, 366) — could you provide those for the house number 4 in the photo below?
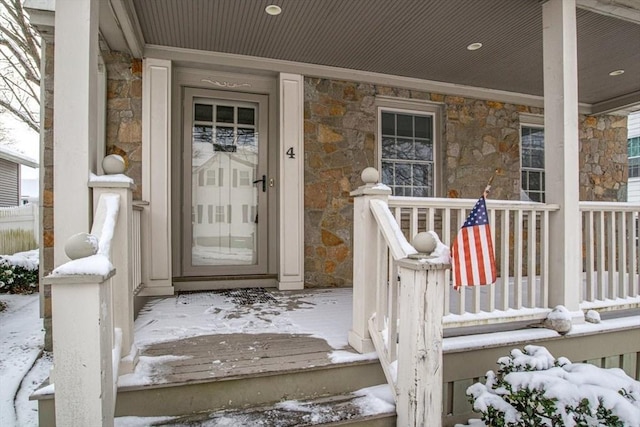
point(290, 153)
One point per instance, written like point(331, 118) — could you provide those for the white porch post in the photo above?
point(561, 151)
point(75, 119)
point(365, 268)
point(156, 177)
point(291, 186)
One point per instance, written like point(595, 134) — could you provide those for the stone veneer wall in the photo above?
point(478, 137)
point(46, 186)
point(124, 113)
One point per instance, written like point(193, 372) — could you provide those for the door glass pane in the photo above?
point(229, 160)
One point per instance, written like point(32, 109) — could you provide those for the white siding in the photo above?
point(633, 125)
point(633, 191)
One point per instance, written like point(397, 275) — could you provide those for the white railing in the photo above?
point(92, 308)
point(408, 341)
point(136, 255)
point(610, 254)
point(520, 233)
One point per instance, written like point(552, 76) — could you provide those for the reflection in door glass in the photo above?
point(224, 198)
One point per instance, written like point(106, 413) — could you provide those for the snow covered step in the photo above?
point(371, 406)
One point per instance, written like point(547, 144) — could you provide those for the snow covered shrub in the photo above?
point(19, 272)
point(532, 388)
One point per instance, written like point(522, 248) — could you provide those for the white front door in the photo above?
point(225, 184)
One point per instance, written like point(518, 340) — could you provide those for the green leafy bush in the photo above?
point(532, 388)
point(19, 273)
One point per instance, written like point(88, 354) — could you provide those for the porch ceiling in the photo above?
point(412, 38)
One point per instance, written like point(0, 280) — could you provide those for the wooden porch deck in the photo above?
point(222, 335)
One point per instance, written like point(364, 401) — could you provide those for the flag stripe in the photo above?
point(472, 256)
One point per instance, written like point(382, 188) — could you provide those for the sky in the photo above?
point(21, 138)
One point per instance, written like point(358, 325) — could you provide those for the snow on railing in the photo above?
point(610, 241)
point(92, 308)
point(411, 357)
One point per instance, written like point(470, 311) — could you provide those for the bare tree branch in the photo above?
point(19, 64)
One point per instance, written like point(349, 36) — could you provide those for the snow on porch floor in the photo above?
point(203, 335)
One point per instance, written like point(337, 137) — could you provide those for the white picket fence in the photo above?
point(19, 228)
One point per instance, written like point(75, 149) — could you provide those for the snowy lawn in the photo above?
point(22, 369)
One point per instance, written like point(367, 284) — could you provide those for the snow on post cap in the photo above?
point(370, 175)
point(81, 245)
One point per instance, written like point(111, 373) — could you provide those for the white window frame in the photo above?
point(531, 122)
point(420, 108)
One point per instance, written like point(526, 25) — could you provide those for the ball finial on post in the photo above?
point(424, 242)
point(370, 175)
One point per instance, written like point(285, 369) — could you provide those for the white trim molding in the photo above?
point(156, 176)
point(291, 194)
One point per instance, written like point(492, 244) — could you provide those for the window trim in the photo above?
point(536, 122)
point(414, 107)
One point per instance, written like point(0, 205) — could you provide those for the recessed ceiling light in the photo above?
point(616, 72)
point(474, 46)
point(273, 9)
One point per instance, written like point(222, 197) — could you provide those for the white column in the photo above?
point(291, 185)
point(365, 264)
point(561, 151)
point(156, 177)
point(75, 107)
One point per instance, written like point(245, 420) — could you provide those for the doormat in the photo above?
point(248, 296)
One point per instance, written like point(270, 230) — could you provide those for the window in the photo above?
point(200, 209)
point(210, 213)
point(244, 178)
point(407, 152)
point(532, 162)
point(211, 177)
point(633, 148)
point(219, 213)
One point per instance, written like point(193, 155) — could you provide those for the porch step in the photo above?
point(243, 391)
point(369, 407)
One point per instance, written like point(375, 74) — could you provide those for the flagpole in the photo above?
point(487, 189)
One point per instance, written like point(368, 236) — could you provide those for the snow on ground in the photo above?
point(21, 343)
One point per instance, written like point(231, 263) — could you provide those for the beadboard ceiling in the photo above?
point(424, 39)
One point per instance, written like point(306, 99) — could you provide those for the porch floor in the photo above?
point(200, 336)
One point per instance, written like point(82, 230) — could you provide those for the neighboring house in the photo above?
point(245, 133)
point(633, 147)
point(10, 180)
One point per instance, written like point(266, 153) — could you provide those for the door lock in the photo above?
point(264, 183)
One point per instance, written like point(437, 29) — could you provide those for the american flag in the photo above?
point(472, 259)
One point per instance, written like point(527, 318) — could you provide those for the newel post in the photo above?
point(82, 344)
point(121, 253)
point(365, 259)
point(419, 386)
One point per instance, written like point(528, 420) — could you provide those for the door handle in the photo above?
point(264, 183)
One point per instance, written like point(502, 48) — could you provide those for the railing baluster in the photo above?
point(587, 242)
point(462, 301)
point(531, 263)
point(632, 253)
point(544, 259)
point(600, 255)
point(413, 223)
point(504, 262)
point(491, 303)
point(517, 259)
point(446, 239)
point(612, 289)
point(621, 236)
